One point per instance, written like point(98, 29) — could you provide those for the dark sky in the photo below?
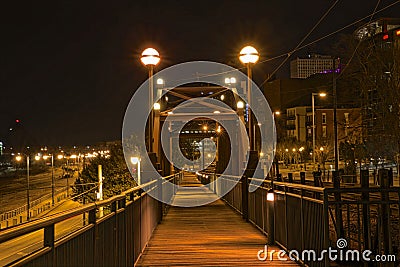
point(69, 68)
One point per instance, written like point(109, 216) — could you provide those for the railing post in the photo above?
point(48, 241)
point(326, 225)
point(364, 179)
point(384, 182)
point(160, 198)
point(290, 177)
point(245, 197)
point(302, 177)
point(271, 219)
point(338, 207)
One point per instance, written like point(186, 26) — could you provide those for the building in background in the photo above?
point(296, 119)
point(349, 123)
point(304, 67)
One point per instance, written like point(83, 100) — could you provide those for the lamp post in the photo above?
point(248, 56)
point(276, 113)
point(150, 58)
point(313, 122)
point(52, 177)
point(134, 161)
point(19, 158)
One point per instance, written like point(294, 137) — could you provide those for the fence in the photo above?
point(116, 239)
point(59, 195)
point(307, 217)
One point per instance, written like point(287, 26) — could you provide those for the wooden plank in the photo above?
point(210, 235)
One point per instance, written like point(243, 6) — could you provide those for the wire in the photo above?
point(359, 42)
point(288, 54)
point(301, 42)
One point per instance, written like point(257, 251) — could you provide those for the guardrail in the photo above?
point(116, 239)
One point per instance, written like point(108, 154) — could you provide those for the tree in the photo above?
point(373, 69)
point(116, 176)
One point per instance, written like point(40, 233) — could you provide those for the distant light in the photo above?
point(160, 81)
point(219, 129)
point(37, 157)
point(261, 154)
point(222, 97)
point(170, 112)
point(60, 156)
point(73, 157)
point(321, 148)
point(45, 157)
point(18, 158)
point(209, 155)
point(166, 98)
point(322, 94)
point(227, 80)
point(216, 112)
point(157, 106)
point(240, 104)
point(385, 37)
point(150, 56)
point(398, 32)
point(259, 124)
point(17, 121)
point(205, 127)
point(294, 149)
point(233, 80)
point(277, 113)
point(134, 160)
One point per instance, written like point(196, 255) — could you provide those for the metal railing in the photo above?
point(116, 239)
point(306, 217)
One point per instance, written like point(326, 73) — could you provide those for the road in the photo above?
point(23, 245)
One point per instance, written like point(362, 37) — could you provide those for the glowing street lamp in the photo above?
point(240, 104)
point(150, 58)
point(157, 106)
point(134, 161)
point(248, 56)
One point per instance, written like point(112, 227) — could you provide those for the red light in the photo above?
point(386, 36)
point(17, 121)
point(398, 32)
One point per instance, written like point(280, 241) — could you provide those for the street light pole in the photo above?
point(313, 130)
point(27, 190)
point(52, 180)
point(313, 122)
point(335, 129)
point(150, 58)
point(249, 55)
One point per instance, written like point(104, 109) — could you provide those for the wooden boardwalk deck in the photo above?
point(210, 235)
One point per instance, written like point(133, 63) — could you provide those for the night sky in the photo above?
point(69, 68)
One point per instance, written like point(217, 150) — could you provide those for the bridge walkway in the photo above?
point(210, 235)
